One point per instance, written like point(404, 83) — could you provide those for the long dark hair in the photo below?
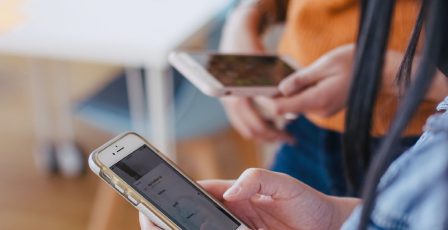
point(369, 57)
point(359, 118)
point(371, 46)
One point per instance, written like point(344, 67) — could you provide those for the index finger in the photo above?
point(313, 99)
point(302, 79)
point(263, 182)
point(216, 188)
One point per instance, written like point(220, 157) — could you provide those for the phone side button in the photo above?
point(132, 200)
point(106, 177)
point(120, 189)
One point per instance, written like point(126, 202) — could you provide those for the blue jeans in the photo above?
point(316, 158)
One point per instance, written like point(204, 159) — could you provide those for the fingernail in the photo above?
point(232, 192)
point(286, 88)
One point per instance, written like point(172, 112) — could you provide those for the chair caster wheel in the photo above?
point(45, 159)
point(66, 159)
point(70, 160)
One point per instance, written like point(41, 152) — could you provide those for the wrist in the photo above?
point(342, 208)
point(275, 10)
point(391, 66)
point(439, 87)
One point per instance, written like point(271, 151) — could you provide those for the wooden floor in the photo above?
point(30, 200)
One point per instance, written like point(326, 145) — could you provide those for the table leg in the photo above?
point(136, 98)
point(161, 110)
point(69, 156)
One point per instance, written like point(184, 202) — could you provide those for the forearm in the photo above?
point(439, 87)
point(271, 11)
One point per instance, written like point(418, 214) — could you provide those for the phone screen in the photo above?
point(170, 192)
point(244, 70)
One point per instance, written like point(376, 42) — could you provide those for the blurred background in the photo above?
point(74, 74)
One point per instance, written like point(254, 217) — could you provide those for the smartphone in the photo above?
point(218, 74)
point(157, 187)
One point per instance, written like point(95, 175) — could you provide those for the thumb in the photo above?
point(303, 78)
point(263, 182)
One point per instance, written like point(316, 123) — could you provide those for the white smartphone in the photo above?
point(233, 74)
point(157, 188)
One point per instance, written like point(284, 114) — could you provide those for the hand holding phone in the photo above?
point(233, 74)
point(157, 188)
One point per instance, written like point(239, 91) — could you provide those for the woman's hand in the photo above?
point(321, 88)
point(269, 200)
point(250, 123)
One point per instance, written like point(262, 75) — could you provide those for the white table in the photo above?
point(132, 33)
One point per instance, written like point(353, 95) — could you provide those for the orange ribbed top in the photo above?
point(315, 27)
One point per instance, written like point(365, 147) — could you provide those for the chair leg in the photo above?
point(44, 153)
point(107, 205)
point(69, 156)
point(111, 212)
point(103, 208)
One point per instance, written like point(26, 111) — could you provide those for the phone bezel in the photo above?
point(209, 85)
point(103, 158)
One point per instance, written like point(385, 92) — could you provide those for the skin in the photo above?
point(269, 200)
